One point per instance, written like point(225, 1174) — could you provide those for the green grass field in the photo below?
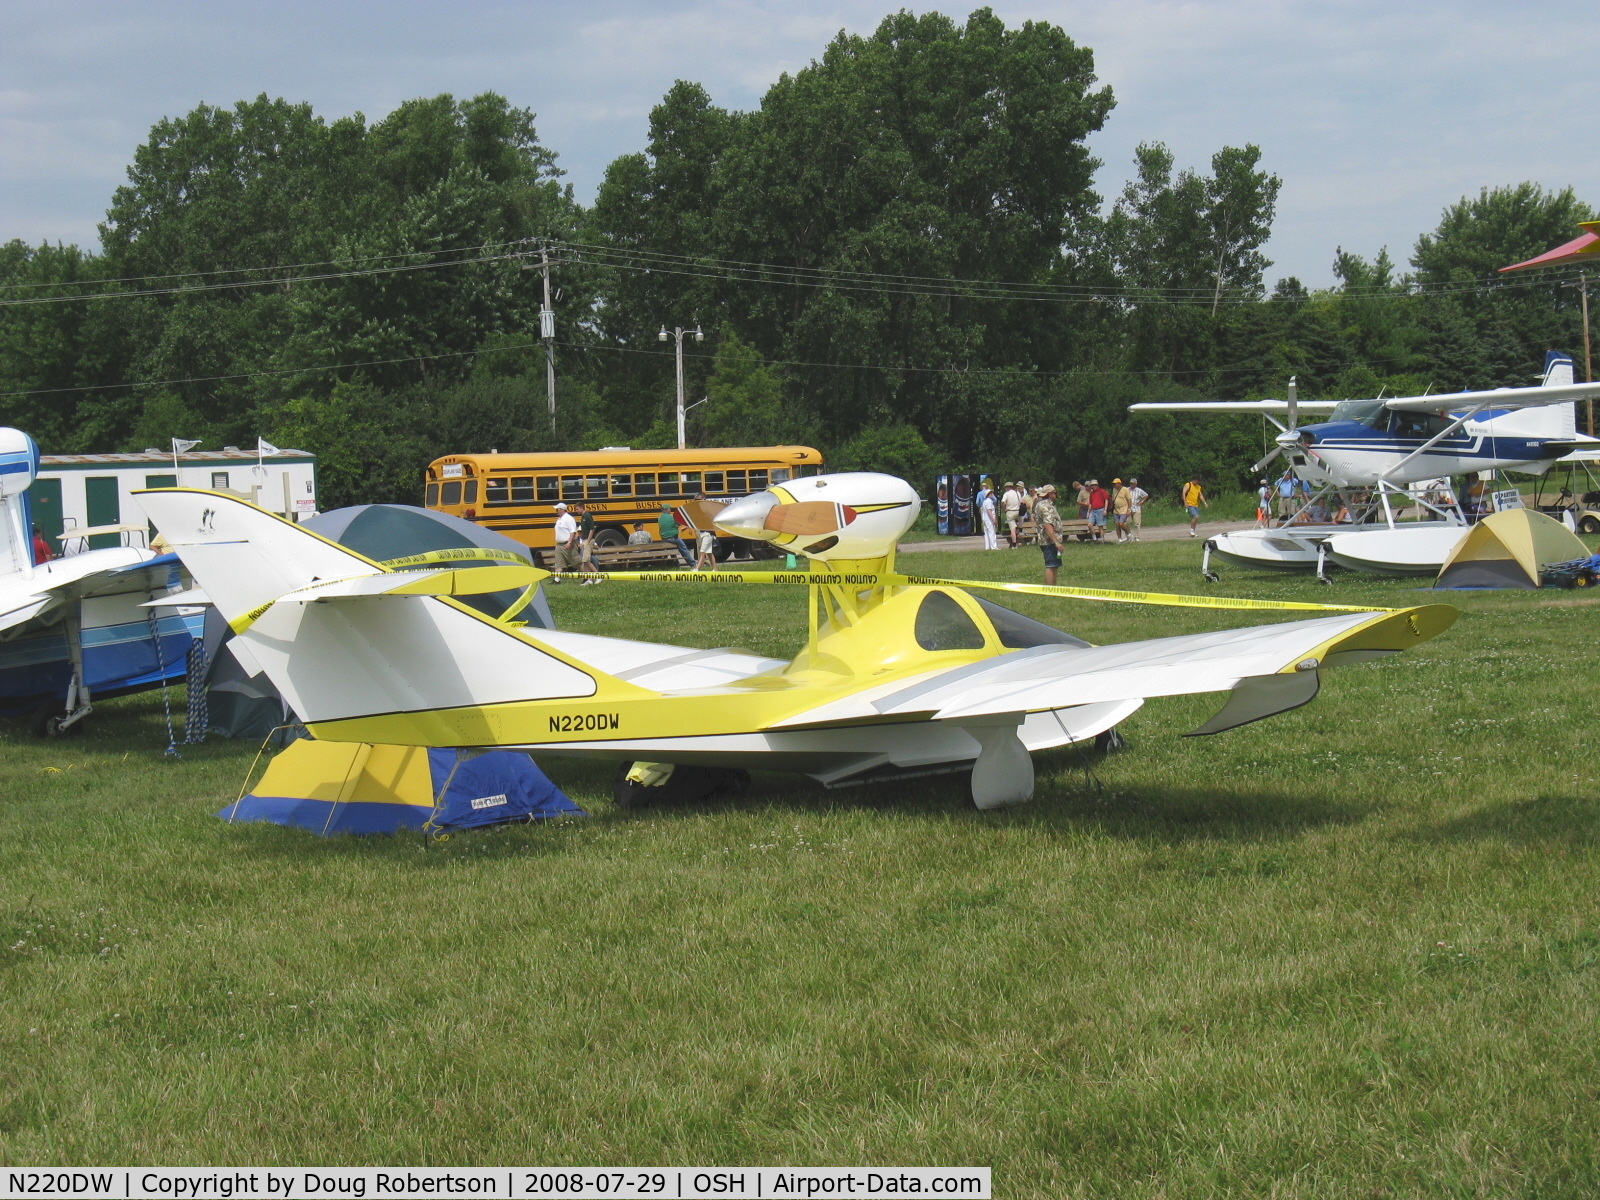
point(1353, 951)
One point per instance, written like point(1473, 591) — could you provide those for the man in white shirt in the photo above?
point(1136, 496)
point(986, 513)
point(569, 551)
point(1011, 502)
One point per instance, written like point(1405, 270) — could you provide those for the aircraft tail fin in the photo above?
point(1557, 369)
point(351, 655)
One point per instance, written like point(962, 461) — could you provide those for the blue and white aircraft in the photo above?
point(1407, 439)
point(1372, 449)
point(73, 627)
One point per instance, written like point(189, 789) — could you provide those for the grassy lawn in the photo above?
point(1350, 951)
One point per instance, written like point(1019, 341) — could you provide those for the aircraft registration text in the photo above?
point(584, 722)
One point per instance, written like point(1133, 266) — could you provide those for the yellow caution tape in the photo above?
point(868, 579)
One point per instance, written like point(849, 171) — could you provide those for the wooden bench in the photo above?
point(1074, 528)
point(648, 555)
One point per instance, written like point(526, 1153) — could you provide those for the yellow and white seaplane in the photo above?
point(898, 676)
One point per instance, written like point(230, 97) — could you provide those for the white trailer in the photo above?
point(95, 491)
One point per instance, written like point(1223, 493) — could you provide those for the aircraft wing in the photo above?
point(70, 579)
point(1497, 399)
point(1269, 668)
point(1275, 407)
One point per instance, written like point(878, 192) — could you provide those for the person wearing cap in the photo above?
point(667, 527)
point(1136, 497)
point(1263, 504)
point(569, 551)
point(1097, 509)
point(986, 515)
point(1047, 521)
point(1121, 510)
point(1011, 504)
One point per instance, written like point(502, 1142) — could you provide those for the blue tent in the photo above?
point(358, 787)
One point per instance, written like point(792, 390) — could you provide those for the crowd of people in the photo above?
point(1114, 515)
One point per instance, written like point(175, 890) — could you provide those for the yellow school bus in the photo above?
point(516, 494)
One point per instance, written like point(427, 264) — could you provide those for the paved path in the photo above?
point(1151, 533)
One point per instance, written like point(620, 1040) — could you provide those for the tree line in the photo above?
point(898, 257)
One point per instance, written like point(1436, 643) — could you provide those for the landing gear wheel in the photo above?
point(1211, 577)
point(47, 718)
point(1109, 741)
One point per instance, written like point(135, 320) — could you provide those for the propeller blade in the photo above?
point(1262, 465)
point(1293, 415)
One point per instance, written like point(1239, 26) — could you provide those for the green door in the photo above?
point(44, 501)
point(104, 508)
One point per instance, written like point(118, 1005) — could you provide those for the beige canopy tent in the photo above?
point(1507, 549)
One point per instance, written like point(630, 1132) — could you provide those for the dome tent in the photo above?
point(1507, 549)
point(358, 787)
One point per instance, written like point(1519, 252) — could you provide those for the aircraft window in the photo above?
point(1017, 632)
point(433, 495)
point(451, 493)
point(522, 488)
point(942, 624)
point(496, 491)
point(736, 482)
point(548, 493)
point(714, 481)
point(1370, 413)
point(622, 485)
point(644, 485)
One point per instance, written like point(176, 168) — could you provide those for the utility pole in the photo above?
point(1588, 366)
point(547, 331)
point(677, 334)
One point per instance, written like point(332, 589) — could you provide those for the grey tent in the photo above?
point(242, 702)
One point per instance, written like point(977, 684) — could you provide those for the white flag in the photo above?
point(264, 447)
point(182, 446)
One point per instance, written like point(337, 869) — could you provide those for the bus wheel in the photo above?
point(610, 536)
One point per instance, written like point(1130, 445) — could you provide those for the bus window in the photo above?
point(451, 493)
point(691, 483)
point(713, 482)
point(433, 495)
point(471, 496)
point(758, 481)
point(572, 487)
point(622, 485)
point(667, 484)
point(522, 489)
point(644, 485)
point(780, 474)
point(496, 491)
point(594, 487)
point(736, 483)
point(810, 469)
point(548, 493)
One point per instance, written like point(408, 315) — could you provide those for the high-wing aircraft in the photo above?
point(1408, 439)
point(894, 679)
point(72, 628)
point(1380, 446)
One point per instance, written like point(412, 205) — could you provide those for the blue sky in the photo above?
point(1377, 115)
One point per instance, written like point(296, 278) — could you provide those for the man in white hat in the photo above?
point(569, 551)
point(1011, 503)
point(1048, 522)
